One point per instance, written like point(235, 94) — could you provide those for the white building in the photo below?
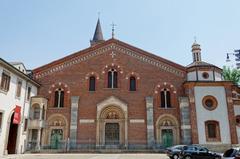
point(16, 90)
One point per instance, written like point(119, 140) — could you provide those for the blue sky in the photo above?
point(37, 32)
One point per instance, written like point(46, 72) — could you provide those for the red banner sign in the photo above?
point(17, 115)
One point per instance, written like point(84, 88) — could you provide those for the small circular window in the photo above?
point(238, 120)
point(209, 102)
point(205, 75)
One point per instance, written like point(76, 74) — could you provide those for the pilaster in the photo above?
point(74, 120)
point(150, 127)
point(185, 120)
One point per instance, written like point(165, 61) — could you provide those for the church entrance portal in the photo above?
point(12, 137)
point(167, 137)
point(167, 131)
point(112, 123)
point(56, 138)
point(111, 134)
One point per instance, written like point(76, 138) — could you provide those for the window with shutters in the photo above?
point(29, 93)
point(5, 81)
point(19, 88)
point(25, 124)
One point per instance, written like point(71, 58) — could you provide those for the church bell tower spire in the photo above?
point(98, 35)
point(196, 52)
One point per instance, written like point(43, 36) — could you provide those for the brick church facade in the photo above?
point(113, 93)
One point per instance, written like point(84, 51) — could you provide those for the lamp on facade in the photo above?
point(228, 59)
point(237, 59)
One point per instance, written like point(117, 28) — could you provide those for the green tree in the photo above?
point(231, 74)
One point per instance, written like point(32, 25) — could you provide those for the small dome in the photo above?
point(196, 46)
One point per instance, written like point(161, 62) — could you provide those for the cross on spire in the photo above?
point(195, 39)
point(113, 29)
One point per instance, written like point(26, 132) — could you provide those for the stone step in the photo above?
point(111, 150)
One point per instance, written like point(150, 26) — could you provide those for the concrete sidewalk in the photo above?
point(86, 156)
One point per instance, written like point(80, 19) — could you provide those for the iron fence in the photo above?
point(90, 146)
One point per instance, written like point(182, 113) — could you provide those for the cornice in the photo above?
point(112, 46)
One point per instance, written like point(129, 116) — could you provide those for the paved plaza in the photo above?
point(87, 156)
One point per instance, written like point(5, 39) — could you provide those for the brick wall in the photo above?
point(75, 77)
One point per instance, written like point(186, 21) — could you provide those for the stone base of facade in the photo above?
point(92, 148)
point(218, 147)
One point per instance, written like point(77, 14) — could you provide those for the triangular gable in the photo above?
point(111, 44)
point(19, 65)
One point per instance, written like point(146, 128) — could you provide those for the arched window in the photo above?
point(36, 112)
point(165, 98)
point(212, 131)
point(59, 98)
point(112, 79)
point(132, 84)
point(92, 83)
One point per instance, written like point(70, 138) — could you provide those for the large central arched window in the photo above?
point(165, 98)
point(112, 79)
point(59, 98)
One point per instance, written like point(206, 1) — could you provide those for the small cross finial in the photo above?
point(195, 39)
point(113, 29)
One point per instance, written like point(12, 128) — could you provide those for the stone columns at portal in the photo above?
point(150, 127)
point(38, 139)
point(97, 133)
point(126, 129)
point(111, 104)
point(41, 112)
point(38, 146)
